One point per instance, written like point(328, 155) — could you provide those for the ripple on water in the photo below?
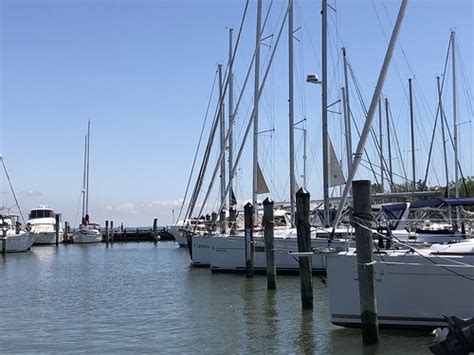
point(136, 297)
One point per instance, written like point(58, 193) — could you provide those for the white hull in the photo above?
point(201, 249)
point(47, 238)
point(18, 242)
point(174, 230)
point(413, 292)
point(82, 238)
point(426, 237)
point(228, 253)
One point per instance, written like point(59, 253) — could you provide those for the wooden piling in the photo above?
point(304, 246)
point(155, 230)
point(107, 233)
point(122, 232)
point(232, 219)
point(65, 232)
point(57, 226)
point(362, 219)
point(112, 232)
point(268, 223)
point(248, 219)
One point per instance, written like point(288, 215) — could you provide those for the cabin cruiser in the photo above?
point(13, 238)
point(42, 223)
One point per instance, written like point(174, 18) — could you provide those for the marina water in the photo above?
point(138, 297)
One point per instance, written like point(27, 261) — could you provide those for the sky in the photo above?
point(142, 72)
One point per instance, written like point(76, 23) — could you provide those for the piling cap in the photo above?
point(302, 192)
point(248, 205)
point(268, 201)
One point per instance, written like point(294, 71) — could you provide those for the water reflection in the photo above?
point(140, 298)
point(305, 342)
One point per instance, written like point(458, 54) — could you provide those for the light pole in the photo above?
point(172, 213)
point(313, 79)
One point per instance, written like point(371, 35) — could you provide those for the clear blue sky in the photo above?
point(142, 71)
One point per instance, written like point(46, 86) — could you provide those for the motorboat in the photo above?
point(42, 223)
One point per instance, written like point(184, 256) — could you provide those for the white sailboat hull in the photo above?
point(82, 238)
point(174, 230)
point(201, 249)
point(412, 292)
point(228, 253)
point(429, 238)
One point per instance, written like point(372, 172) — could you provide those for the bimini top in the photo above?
point(431, 203)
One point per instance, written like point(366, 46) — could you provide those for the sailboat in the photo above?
point(12, 238)
point(42, 223)
point(87, 232)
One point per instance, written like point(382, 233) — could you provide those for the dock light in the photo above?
point(313, 79)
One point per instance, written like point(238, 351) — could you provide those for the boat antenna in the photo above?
point(11, 188)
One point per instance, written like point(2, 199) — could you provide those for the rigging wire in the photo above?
point(397, 143)
point(357, 221)
point(198, 146)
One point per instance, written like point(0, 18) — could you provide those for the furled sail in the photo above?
point(262, 187)
point(336, 177)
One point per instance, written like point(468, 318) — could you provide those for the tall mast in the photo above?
point(455, 124)
point(222, 134)
point(441, 112)
point(88, 151)
point(325, 141)
point(305, 169)
point(84, 178)
point(255, 102)
point(412, 130)
point(372, 107)
point(347, 113)
point(455, 115)
point(291, 111)
point(231, 127)
point(389, 145)
point(12, 189)
point(381, 146)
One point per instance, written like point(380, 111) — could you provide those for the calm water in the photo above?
point(138, 297)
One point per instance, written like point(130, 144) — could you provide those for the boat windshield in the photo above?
point(41, 214)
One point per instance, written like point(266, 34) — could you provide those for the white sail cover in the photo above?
point(336, 177)
point(262, 187)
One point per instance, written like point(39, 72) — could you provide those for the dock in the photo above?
point(132, 234)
